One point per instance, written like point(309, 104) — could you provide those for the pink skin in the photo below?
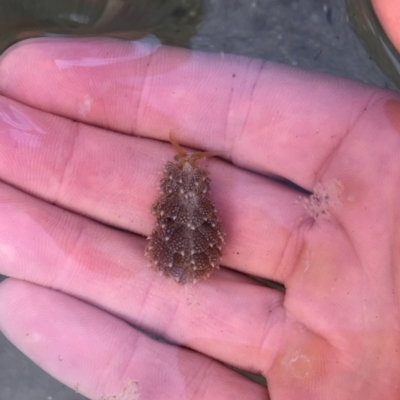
point(75, 200)
point(388, 12)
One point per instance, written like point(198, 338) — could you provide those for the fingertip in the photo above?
point(10, 293)
point(388, 12)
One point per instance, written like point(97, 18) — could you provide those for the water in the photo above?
point(123, 19)
point(374, 39)
point(309, 34)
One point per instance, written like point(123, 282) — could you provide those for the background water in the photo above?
point(311, 34)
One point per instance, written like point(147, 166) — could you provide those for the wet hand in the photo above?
point(84, 128)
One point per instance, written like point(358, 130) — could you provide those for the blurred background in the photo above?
point(333, 36)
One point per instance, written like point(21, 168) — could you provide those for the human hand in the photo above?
point(75, 209)
point(388, 13)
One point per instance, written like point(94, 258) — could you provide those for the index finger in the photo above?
point(265, 117)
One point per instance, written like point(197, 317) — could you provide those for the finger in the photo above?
point(114, 178)
point(106, 267)
point(264, 117)
point(101, 356)
point(389, 15)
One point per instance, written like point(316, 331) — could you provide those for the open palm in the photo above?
point(83, 139)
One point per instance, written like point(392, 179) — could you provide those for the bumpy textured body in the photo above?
point(186, 243)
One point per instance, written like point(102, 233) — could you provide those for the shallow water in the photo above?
point(367, 27)
point(313, 35)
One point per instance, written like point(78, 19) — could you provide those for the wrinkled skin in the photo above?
point(79, 174)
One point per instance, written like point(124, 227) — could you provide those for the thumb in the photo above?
point(388, 12)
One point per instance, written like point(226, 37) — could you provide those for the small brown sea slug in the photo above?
point(186, 243)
